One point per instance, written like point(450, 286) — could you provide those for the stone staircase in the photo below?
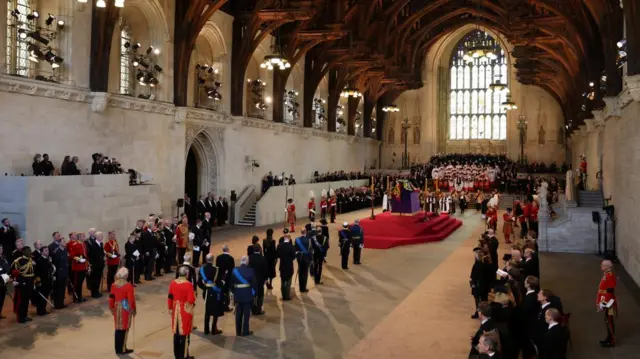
point(249, 219)
point(590, 199)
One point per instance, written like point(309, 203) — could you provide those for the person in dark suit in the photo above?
point(46, 166)
point(225, 210)
point(286, 255)
point(170, 258)
point(554, 342)
point(8, 237)
point(131, 259)
point(547, 301)
point(192, 272)
point(207, 227)
point(198, 240)
point(201, 207)
point(493, 248)
point(44, 280)
point(486, 325)
point(479, 280)
point(149, 245)
point(320, 249)
point(212, 294)
point(225, 264)
point(189, 209)
point(95, 252)
point(243, 281)
point(260, 268)
point(528, 315)
point(220, 211)
point(97, 167)
point(488, 348)
point(60, 259)
point(531, 264)
point(270, 254)
point(210, 202)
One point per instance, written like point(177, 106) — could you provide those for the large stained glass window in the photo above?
point(475, 110)
point(17, 50)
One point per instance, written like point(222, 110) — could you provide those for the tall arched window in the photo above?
point(17, 51)
point(125, 62)
point(475, 110)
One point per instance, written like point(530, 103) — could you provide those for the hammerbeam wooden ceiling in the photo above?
point(379, 46)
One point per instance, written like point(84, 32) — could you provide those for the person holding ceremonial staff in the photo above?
point(181, 302)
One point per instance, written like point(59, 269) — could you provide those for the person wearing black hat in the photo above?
point(320, 248)
point(324, 228)
point(344, 240)
point(286, 254)
point(270, 254)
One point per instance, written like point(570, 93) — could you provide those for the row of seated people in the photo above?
point(269, 180)
point(42, 166)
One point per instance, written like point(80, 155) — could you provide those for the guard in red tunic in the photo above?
point(607, 303)
point(181, 302)
point(333, 203)
point(112, 251)
point(323, 205)
point(583, 170)
point(291, 214)
point(312, 207)
point(507, 226)
point(79, 264)
point(492, 218)
point(122, 303)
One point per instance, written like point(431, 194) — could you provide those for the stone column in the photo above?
point(3, 37)
point(543, 218)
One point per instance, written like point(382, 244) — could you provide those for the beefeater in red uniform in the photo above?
point(122, 303)
point(181, 303)
point(507, 226)
point(607, 303)
point(79, 264)
point(291, 215)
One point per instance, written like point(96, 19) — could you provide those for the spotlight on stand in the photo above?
point(119, 3)
point(60, 24)
point(136, 46)
point(15, 13)
point(38, 37)
point(101, 3)
point(22, 34)
point(50, 19)
point(34, 15)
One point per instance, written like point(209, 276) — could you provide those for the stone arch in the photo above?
point(156, 20)
point(206, 143)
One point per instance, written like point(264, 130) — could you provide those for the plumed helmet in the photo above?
point(312, 195)
point(324, 193)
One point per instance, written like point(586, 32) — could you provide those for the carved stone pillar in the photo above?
point(3, 37)
point(369, 104)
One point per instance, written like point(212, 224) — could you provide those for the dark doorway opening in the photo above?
point(191, 176)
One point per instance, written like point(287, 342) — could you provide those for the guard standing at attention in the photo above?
point(303, 255)
point(607, 303)
point(23, 275)
point(181, 302)
point(320, 248)
point(344, 239)
point(357, 241)
point(212, 294)
point(122, 303)
point(243, 281)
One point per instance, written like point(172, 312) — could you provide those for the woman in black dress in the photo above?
point(269, 248)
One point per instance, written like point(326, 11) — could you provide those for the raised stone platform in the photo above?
point(38, 206)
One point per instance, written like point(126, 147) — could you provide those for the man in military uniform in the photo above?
point(333, 205)
point(182, 238)
point(112, 251)
point(259, 265)
point(95, 251)
point(607, 303)
point(323, 205)
point(79, 265)
point(312, 206)
point(320, 248)
point(22, 271)
point(225, 264)
point(212, 294)
point(291, 215)
point(286, 254)
point(243, 281)
point(357, 241)
point(344, 240)
point(44, 280)
point(181, 302)
point(303, 256)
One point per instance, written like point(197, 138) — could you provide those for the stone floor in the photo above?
point(407, 302)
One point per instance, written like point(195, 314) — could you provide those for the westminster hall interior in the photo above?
point(319, 179)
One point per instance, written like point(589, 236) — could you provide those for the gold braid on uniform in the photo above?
point(25, 270)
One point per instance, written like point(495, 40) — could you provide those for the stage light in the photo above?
point(268, 99)
point(157, 68)
point(622, 43)
point(136, 46)
point(101, 3)
point(36, 36)
point(591, 84)
point(156, 51)
point(33, 57)
point(127, 45)
point(198, 66)
point(22, 34)
point(210, 70)
point(49, 56)
point(149, 49)
point(15, 13)
point(119, 3)
point(82, 1)
point(50, 19)
point(215, 71)
point(135, 63)
point(60, 24)
point(34, 15)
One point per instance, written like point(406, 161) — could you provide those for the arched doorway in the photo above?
point(191, 176)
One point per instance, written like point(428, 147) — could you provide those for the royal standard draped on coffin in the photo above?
point(405, 198)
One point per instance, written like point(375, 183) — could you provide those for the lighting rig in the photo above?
point(145, 66)
point(341, 124)
point(320, 111)
point(208, 78)
point(103, 3)
point(37, 39)
point(621, 58)
point(257, 96)
point(292, 107)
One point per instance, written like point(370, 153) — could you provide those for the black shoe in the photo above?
point(320, 282)
point(138, 282)
point(304, 290)
point(28, 319)
point(607, 345)
point(286, 299)
point(206, 332)
point(60, 306)
point(43, 313)
point(96, 295)
point(258, 313)
point(474, 316)
point(22, 321)
point(247, 333)
point(228, 310)
point(159, 275)
point(82, 300)
point(152, 278)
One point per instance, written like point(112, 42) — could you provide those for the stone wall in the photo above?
point(41, 205)
point(614, 132)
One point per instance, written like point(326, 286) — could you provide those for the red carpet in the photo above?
point(388, 231)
